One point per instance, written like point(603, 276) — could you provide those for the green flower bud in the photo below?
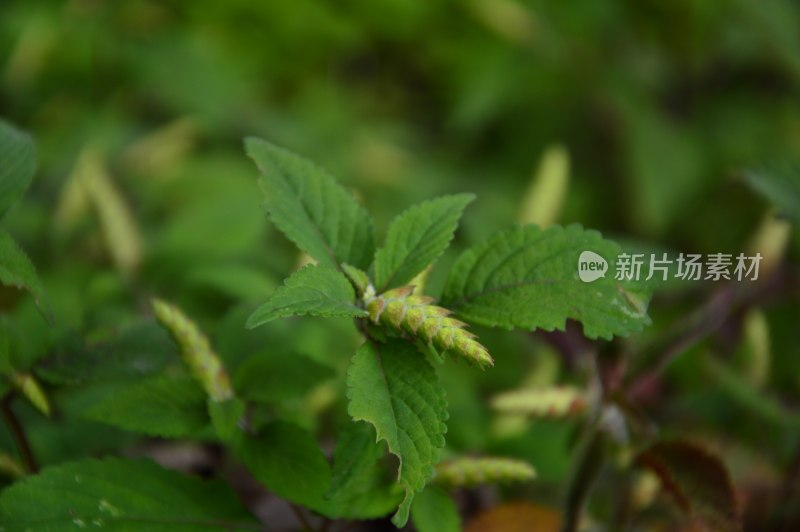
point(417, 316)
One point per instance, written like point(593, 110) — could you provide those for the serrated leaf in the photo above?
point(165, 406)
point(143, 348)
point(122, 495)
point(17, 270)
point(416, 238)
point(471, 471)
point(311, 208)
point(554, 401)
point(17, 164)
point(434, 511)
point(312, 290)
point(779, 184)
point(527, 278)
point(697, 480)
point(394, 388)
point(287, 460)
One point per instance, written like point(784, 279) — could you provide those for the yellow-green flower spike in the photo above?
point(415, 315)
point(33, 392)
point(196, 351)
point(469, 471)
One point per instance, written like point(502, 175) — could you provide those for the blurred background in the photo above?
point(651, 109)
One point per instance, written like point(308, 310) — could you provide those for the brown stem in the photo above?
point(18, 433)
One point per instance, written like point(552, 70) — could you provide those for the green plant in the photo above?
point(170, 382)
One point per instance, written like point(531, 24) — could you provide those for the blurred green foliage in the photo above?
point(659, 105)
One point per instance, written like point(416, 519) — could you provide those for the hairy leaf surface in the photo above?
point(416, 238)
point(311, 208)
point(395, 389)
point(527, 278)
point(314, 290)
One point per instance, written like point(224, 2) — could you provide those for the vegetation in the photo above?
point(437, 338)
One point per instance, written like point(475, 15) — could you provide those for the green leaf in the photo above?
point(357, 490)
point(143, 348)
point(311, 208)
point(434, 511)
point(356, 452)
point(314, 290)
point(527, 278)
point(17, 164)
point(266, 379)
point(165, 406)
point(121, 495)
point(697, 480)
point(226, 416)
point(395, 389)
point(287, 460)
point(17, 270)
point(780, 185)
point(416, 238)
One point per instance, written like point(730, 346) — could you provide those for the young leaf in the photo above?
point(556, 401)
point(416, 238)
point(201, 360)
point(399, 309)
point(527, 278)
point(136, 495)
point(434, 511)
point(170, 407)
point(313, 290)
point(17, 270)
point(311, 208)
point(395, 389)
point(697, 480)
point(469, 471)
point(287, 460)
point(17, 164)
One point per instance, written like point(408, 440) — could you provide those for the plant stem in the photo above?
point(18, 434)
point(590, 461)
